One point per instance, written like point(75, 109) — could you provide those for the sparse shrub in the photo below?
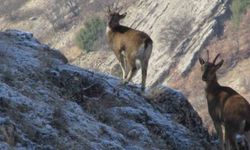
point(90, 37)
point(238, 7)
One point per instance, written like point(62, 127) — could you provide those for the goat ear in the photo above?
point(124, 15)
point(201, 60)
point(219, 64)
point(108, 10)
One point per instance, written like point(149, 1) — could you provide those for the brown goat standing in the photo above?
point(226, 107)
point(132, 48)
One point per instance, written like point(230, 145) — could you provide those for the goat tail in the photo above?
point(148, 42)
point(148, 46)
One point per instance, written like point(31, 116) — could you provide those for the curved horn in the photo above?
point(119, 9)
point(207, 55)
point(216, 58)
point(115, 7)
point(109, 9)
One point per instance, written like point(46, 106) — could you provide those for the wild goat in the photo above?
point(132, 48)
point(226, 107)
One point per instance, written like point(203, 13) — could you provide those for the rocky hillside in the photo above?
point(46, 103)
point(180, 30)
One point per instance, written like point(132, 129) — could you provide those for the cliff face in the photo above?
point(46, 103)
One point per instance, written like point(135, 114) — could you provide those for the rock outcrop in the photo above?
point(46, 103)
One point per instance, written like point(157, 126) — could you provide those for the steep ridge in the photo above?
point(46, 103)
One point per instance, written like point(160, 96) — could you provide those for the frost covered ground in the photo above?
point(46, 103)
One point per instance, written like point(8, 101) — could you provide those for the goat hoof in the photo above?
point(143, 89)
point(124, 82)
